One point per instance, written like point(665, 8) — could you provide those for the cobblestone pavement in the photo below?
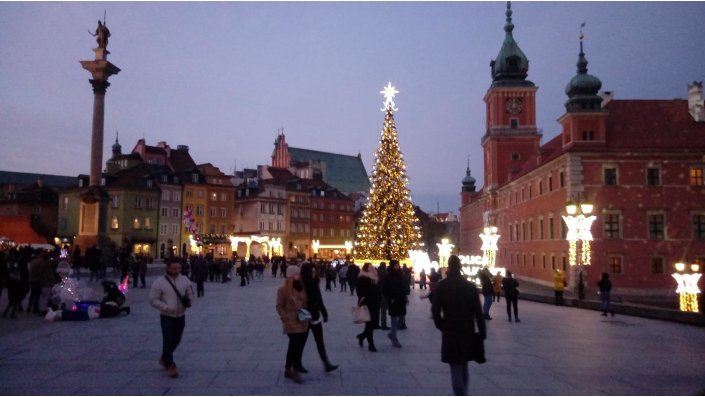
point(233, 345)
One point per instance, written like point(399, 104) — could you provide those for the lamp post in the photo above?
point(444, 250)
point(489, 248)
point(579, 220)
point(688, 286)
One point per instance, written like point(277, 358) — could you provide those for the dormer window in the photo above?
point(194, 178)
point(514, 123)
point(516, 156)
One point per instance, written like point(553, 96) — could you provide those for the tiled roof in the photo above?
point(23, 178)
point(653, 124)
point(346, 173)
point(637, 125)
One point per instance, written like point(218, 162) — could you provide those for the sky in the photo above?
point(224, 77)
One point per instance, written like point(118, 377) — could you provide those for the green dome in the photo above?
point(468, 181)
point(511, 66)
point(583, 88)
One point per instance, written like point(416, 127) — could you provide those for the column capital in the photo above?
point(99, 86)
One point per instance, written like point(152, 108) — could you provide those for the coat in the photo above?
point(289, 301)
point(559, 282)
point(509, 285)
point(395, 289)
point(163, 297)
point(457, 312)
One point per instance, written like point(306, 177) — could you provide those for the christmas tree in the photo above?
point(388, 228)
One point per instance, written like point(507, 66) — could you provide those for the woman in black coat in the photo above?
point(368, 294)
point(314, 304)
point(395, 289)
point(456, 309)
point(511, 295)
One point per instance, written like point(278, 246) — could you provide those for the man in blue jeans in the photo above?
point(164, 297)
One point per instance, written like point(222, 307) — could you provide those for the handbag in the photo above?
point(185, 300)
point(477, 349)
point(304, 315)
point(361, 314)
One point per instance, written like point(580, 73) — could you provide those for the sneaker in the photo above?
point(172, 371)
point(517, 320)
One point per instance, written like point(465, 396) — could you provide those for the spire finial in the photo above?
point(468, 163)
point(509, 26)
point(116, 137)
point(582, 62)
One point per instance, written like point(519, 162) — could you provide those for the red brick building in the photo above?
point(639, 162)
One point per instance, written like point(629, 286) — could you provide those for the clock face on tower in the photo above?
point(514, 105)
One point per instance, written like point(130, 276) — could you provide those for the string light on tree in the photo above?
point(388, 228)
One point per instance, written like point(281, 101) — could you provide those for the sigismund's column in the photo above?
point(94, 200)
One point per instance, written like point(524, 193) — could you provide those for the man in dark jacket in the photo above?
point(395, 288)
point(456, 308)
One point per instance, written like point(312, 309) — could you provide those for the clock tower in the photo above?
point(511, 136)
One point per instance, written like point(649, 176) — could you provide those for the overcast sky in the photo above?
point(223, 77)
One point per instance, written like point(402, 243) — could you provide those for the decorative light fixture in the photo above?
point(489, 248)
point(579, 221)
point(688, 286)
point(444, 250)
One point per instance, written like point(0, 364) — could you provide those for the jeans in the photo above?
point(487, 304)
point(317, 331)
point(459, 378)
point(606, 301)
point(295, 350)
point(559, 298)
point(383, 306)
point(512, 301)
point(172, 330)
point(199, 287)
point(343, 284)
point(395, 327)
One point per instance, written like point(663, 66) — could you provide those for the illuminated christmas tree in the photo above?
point(388, 228)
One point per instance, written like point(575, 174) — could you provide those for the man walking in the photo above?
point(456, 309)
point(171, 295)
point(487, 291)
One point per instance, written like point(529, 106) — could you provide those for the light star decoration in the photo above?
point(389, 93)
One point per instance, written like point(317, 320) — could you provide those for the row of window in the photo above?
point(169, 195)
point(615, 263)
point(214, 212)
point(331, 218)
point(544, 185)
point(320, 232)
point(332, 206)
point(610, 176)
point(612, 227)
point(200, 193)
point(136, 224)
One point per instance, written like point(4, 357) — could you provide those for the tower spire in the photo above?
point(583, 87)
point(509, 26)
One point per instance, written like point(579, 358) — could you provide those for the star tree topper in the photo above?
point(389, 93)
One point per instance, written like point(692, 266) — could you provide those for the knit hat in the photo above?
point(292, 270)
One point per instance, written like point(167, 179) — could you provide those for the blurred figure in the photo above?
point(368, 294)
point(314, 304)
point(291, 297)
point(511, 295)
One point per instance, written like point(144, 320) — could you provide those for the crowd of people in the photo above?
point(457, 309)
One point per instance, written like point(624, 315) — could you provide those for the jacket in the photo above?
point(458, 314)
point(509, 285)
point(559, 281)
point(289, 301)
point(395, 289)
point(163, 298)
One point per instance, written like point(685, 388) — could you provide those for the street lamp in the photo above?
point(489, 248)
point(579, 220)
point(687, 286)
point(444, 250)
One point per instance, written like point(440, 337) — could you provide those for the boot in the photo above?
point(330, 367)
point(360, 338)
point(293, 375)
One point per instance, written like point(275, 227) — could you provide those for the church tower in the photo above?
point(583, 124)
point(511, 136)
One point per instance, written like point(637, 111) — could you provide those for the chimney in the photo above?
point(182, 147)
point(696, 106)
point(607, 97)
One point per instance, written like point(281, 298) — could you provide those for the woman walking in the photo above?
point(368, 294)
point(395, 288)
point(314, 304)
point(291, 297)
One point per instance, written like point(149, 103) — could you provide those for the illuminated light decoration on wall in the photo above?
point(579, 230)
point(316, 245)
point(471, 265)
point(489, 248)
point(445, 248)
point(688, 287)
